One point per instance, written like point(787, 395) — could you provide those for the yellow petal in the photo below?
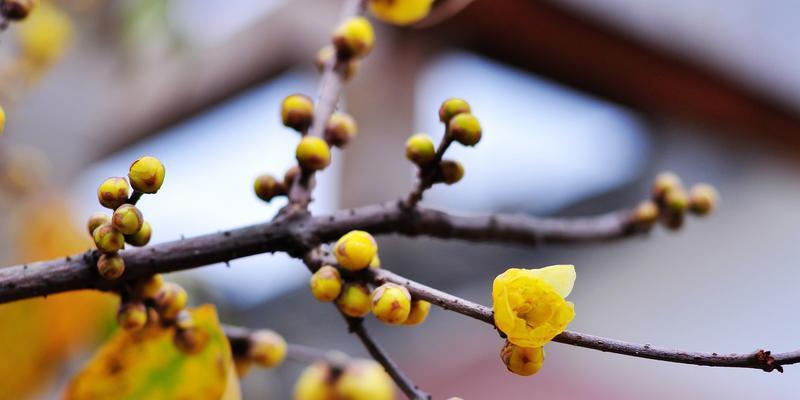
point(560, 277)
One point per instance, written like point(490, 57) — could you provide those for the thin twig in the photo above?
point(295, 234)
point(356, 325)
point(239, 339)
point(427, 174)
point(760, 359)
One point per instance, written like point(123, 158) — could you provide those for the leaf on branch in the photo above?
point(147, 365)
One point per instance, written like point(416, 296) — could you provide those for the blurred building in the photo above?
point(582, 102)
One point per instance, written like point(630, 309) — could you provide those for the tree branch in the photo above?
point(760, 359)
point(295, 233)
point(356, 325)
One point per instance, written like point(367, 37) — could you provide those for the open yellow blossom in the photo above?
point(400, 12)
point(529, 305)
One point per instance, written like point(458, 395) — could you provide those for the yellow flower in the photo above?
point(529, 305)
point(400, 12)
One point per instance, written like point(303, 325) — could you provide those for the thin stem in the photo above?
point(135, 197)
point(427, 174)
point(356, 325)
point(759, 359)
point(239, 339)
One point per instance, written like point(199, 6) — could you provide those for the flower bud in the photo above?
point(170, 300)
point(313, 153)
point(127, 219)
point(375, 263)
point(242, 366)
point(391, 303)
point(420, 149)
point(419, 312)
point(184, 320)
point(365, 379)
point(665, 182)
point(327, 55)
point(354, 38)
point(465, 129)
point(113, 192)
point(400, 12)
point(676, 200)
point(315, 383)
point(153, 319)
point(450, 172)
point(297, 112)
point(522, 360)
point(326, 283)
point(108, 239)
point(16, 10)
point(703, 198)
point(267, 348)
point(110, 266)
point(190, 341)
point(96, 220)
point(355, 250)
point(2, 121)
point(142, 237)
point(132, 316)
point(355, 300)
point(452, 107)
point(340, 129)
point(146, 174)
point(673, 220)
point(148, 288)
point(646, 214)
point(267, 187)
point(290, 176)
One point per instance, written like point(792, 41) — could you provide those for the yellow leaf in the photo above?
point(39, 334)
point(147, 365)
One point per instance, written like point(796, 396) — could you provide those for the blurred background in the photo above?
point(582, 103)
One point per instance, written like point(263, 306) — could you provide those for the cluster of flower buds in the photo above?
point(351, 41)
point(461, 126)
point(671, 201)
point(390, 303)
point(16, 10)
point(126, 224)
point(264, 348)
point(313, 153)
point(356, 379)
point(153, 302)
